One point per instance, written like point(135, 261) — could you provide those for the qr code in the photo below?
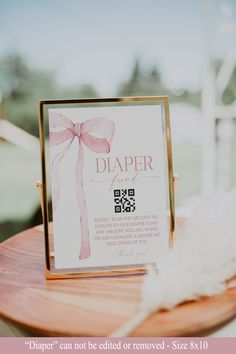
point(124, 200)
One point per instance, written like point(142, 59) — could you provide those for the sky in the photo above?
point(97, 41)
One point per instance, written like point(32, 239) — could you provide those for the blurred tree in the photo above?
point(150, 83)
point(13, 76)
point(136, 75)
point(141, 83)
point(23, 86)
point(229, 94)
point(87, 90)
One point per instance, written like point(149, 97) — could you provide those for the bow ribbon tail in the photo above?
point(56, 191)
point(85, 244)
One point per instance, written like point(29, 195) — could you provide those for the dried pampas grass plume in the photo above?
point(203, 259)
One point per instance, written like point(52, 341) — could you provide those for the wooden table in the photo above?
point(89, 307)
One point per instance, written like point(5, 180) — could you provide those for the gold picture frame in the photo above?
point(51, 272)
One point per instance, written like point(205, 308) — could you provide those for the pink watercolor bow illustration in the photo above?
point(83, 132)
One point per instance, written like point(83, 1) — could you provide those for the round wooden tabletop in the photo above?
point(92, 306)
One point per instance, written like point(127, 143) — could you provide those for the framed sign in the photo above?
point(107, 165)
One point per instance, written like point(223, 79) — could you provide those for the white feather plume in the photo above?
point(203, 258)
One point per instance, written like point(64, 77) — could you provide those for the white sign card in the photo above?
point(109, 183)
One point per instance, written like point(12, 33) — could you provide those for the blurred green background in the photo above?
point(25, 78)
point(20, 168)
